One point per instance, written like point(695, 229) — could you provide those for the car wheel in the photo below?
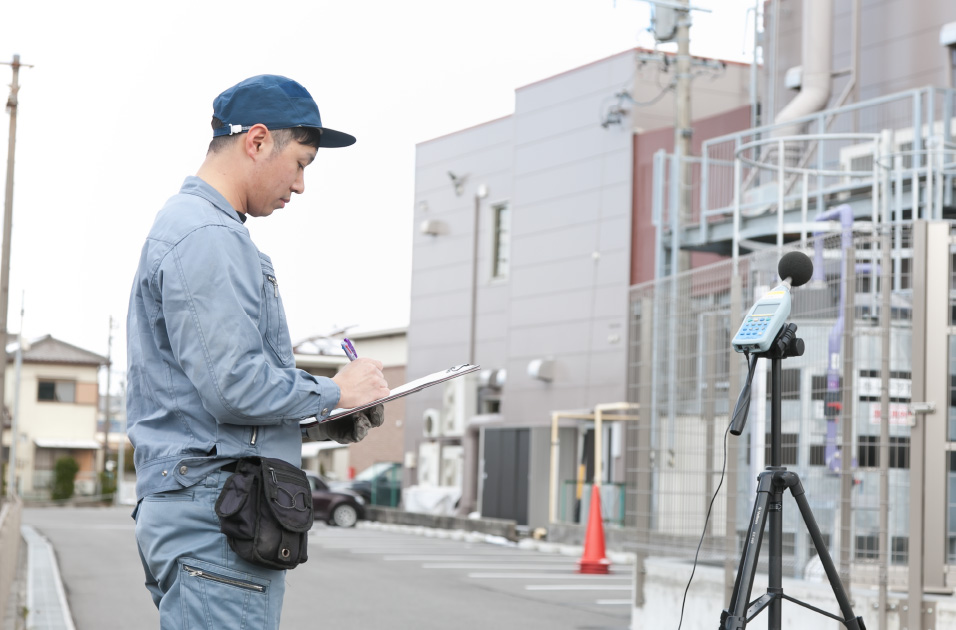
point(344, 515)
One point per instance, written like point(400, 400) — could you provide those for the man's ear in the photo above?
point(257, 140)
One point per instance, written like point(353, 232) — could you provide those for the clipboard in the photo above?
point(403, 390)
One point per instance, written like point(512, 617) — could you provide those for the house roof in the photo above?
point(51, 350)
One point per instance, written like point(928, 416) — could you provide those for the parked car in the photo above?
point(379, 484)
point(336, 507)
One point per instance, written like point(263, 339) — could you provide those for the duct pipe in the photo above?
point(845, 214)
point(817, 53)
point(833, 455)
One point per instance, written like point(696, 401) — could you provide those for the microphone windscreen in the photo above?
point(797, 266)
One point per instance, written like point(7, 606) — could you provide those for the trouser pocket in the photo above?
point(215, 597)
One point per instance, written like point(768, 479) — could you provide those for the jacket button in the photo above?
point(183, 470)
point(165, 473)
point(325, 411)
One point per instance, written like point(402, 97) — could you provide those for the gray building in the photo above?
point(523, 245)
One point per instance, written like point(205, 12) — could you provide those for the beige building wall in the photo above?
point(66, 428)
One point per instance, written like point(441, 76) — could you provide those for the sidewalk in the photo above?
point(40, 588)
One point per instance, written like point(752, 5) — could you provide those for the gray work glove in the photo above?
point(348, 429)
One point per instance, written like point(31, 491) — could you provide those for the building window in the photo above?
point(899, 550)
point(868, 547)
point(789, 443)
point(502, 253)
point(868, 451)
point(56, 391)
point(951, 507)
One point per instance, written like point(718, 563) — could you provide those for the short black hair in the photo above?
point(303, 135)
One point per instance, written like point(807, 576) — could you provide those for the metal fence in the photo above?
point(839, 431)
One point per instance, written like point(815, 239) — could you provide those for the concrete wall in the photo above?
point(10, 514)
point(666, 580)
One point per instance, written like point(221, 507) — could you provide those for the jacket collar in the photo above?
point(198, 187)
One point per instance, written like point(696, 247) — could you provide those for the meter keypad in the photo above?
point(753, 327)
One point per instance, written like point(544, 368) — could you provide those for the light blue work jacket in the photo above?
point(210, 371)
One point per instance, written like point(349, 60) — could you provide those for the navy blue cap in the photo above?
point(277, 103)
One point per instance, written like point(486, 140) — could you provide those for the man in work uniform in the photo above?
point(211, 376)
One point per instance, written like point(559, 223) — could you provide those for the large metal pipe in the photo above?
point(817, 53)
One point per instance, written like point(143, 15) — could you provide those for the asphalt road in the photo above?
point(355, 578)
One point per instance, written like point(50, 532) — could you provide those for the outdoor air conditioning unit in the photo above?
point(431, 423)
point(451, 466)
point(858, 158)
point(459, 404)
point(429, 463)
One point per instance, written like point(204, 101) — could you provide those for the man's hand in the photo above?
point(360, 382)
point(348, 429)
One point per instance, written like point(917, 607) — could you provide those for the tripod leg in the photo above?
point(851, 621)
point(775, 566)
point(735, 617)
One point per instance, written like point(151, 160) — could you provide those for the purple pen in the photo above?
point(349, 349)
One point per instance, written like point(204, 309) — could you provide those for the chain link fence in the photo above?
point(838, 430)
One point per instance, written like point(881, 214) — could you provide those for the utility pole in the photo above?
point(106, 409)
point(7, 226)
point(15, 426)
point(682, 128)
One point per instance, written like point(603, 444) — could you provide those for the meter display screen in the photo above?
point(765, 309)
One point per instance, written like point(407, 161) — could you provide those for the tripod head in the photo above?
point(764, 333)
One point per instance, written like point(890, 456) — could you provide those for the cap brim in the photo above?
point(332, 139)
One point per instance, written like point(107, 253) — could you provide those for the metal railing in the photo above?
point(900, 146)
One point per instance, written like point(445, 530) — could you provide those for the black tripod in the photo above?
point(769, 504)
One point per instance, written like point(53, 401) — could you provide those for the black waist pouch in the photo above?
point(265, 511)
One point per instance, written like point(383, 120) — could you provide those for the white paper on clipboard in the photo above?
point(402, 390)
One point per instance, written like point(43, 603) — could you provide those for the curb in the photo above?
point(47, 607)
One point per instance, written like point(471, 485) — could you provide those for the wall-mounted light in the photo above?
point(433, 227)
point(541, 369)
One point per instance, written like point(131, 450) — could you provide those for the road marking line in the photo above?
point(577, 587)
point(543, 576)
point(523, 567)
point(474, 557)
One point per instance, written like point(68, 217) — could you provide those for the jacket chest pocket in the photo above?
point(272, 324)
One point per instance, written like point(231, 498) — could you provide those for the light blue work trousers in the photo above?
point(196, 580)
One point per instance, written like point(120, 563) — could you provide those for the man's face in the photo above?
point(278, 175)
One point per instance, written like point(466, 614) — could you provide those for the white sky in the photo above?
point(115, 113)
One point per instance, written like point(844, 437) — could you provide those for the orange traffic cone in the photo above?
point(593, 560)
